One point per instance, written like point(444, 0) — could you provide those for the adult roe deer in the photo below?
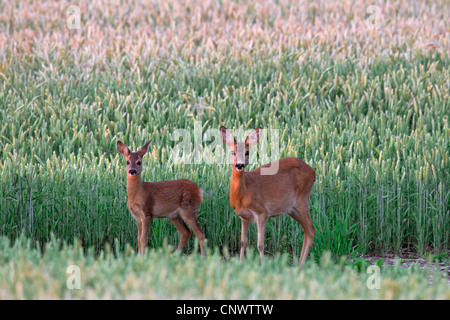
point(177, 200)
point(257, 197)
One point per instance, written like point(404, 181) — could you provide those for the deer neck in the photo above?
point(238, 187)
point(134, 184)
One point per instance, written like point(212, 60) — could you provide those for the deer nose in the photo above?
point(240, 166)
point(132, 172)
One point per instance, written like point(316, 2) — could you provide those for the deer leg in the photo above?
point(302, 216)
point(191, 218)
point(184, 231)
point(139, 225)
point(143, 238)
point(261, 225)
point(244, 234)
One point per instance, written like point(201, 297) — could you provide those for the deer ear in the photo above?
point(253, 138)
point(144, 149)
point(123, 149)
point(227, 137)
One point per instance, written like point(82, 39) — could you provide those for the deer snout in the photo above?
point(240, 166)
point(132, 172)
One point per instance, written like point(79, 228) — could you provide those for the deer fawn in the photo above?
point(177, 200)
point(257, 197)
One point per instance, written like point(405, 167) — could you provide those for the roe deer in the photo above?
point(177, 200)
point(257, 197)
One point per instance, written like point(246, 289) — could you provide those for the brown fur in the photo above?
point(257, 197)
point(177, 200)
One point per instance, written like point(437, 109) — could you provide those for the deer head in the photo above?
point(240, 151)
point(134, 159)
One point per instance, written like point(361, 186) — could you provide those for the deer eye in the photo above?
point(128, 162)
point(138, 163)
point(232, 153)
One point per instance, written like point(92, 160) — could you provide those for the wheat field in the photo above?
point(358, 91)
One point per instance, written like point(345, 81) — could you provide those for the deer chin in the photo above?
point(237, 169)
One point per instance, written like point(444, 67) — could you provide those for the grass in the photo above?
point(163, 274)
point(381, 166)
point(367, 108)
